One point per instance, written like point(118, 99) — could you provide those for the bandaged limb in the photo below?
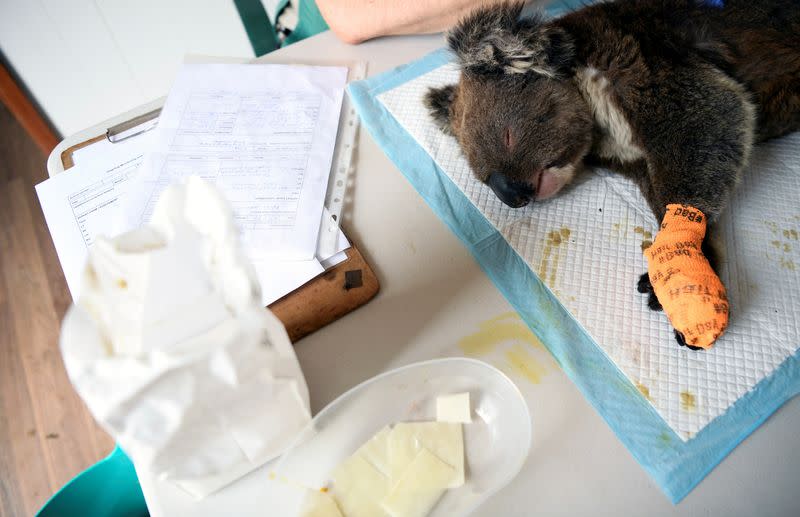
point(693, 297)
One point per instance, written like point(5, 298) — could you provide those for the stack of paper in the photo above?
point(263, 134)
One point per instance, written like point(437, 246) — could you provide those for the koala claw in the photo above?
point(645, 287)
point(682, 341)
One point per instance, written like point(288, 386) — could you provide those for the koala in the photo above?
point(670, 93)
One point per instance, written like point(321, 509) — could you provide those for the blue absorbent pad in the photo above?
point(678, 412)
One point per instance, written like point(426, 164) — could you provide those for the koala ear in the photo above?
point(438, 101)
point(495, 40)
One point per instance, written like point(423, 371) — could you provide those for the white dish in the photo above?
point(496, 443)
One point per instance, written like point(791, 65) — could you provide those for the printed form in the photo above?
point(84, 201)
point(270, 191)
point(264, 134)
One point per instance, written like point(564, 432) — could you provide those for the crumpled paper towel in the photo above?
point(173, 353)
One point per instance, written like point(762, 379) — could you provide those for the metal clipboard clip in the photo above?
point(133, 127)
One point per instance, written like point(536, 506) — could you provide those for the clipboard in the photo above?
point(332, 294)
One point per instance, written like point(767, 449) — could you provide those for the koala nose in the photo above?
point(515, 194)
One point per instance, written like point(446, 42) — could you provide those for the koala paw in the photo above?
point(682, 341)
point(645, 287)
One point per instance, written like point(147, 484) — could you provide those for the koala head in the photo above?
point(516, 110)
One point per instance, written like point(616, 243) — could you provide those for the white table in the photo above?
point(433, 294)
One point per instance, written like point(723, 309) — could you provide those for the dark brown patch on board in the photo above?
point(352, 279)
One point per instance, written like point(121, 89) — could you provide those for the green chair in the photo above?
point(256, 23)
point(309, 21)
point(109, 488)
point(262, 34)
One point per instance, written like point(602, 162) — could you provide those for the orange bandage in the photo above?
point(691, 293)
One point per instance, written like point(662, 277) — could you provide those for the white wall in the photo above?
point(88, 60)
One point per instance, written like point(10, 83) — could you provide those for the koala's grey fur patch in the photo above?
point(498, 41)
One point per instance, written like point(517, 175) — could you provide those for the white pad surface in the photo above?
point(585, 244)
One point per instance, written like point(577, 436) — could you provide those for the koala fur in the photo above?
point(675, 91)
point(485, 46)
point(671, 93)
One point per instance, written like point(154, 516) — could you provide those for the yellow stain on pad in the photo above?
point(647, 237)
point(620, 229)
point(644, 233)
point(790, 234)
point(548, 266)
point(525, 364)
point(496, 331)
point(688, 401)
point(644, 390)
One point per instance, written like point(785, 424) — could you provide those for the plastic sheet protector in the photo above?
point(570, 266)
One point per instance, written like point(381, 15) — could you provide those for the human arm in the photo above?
point(354, 21)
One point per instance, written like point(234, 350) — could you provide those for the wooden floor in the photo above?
point(46, 434)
